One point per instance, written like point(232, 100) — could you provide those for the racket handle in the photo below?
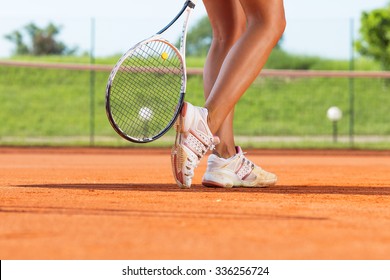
point(188, 3)
point(191, 3)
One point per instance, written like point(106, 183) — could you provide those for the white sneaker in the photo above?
point(193, 140)
point(236, 171)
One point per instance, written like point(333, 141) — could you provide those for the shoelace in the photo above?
point(191, 164)
point(199, 149)
point(245, 168)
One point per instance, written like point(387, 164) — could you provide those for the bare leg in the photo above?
point(246, 58)
point(235, 60)
point(225, 34)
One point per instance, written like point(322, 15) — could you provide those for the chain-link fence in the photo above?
point(61, 104)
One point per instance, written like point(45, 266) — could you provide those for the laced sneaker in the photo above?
point(193, 140)
point(237, 171)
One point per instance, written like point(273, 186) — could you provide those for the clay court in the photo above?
point(100, 203)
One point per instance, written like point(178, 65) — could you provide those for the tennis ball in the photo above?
point(145, 113)
point(164, 55)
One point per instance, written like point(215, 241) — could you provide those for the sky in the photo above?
point(314, 27)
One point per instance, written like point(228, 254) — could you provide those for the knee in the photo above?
point(226, 34)
point(279, 26)
point(273, 25)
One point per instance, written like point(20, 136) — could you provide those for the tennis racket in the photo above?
point(146, 88)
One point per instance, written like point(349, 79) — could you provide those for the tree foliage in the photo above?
point(199, 38)
point(375, 36)
point(42, 41)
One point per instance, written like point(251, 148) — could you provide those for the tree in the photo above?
point(199, 38)
point(17, 38)
point(375, 36)
point(43, 41)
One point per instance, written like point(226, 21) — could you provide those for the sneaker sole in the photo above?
point(231, 184)
point(212, 184)
point(179, 129)
point(178, 177)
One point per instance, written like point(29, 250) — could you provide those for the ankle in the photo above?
point(210, 123)
point(224, 151)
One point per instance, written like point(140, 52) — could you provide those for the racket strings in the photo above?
point(148, 67)
point(149, 80)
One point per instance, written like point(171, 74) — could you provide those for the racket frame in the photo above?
point(187, 9)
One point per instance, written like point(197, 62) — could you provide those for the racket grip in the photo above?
point(191, 3)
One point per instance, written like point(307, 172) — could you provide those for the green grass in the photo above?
point(278, 59)
point(283, 60)
point(52, 102)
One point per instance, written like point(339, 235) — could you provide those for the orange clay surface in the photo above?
point(74, 203)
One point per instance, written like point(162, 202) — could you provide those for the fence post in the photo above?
point(92, 86)
point(351, 85)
